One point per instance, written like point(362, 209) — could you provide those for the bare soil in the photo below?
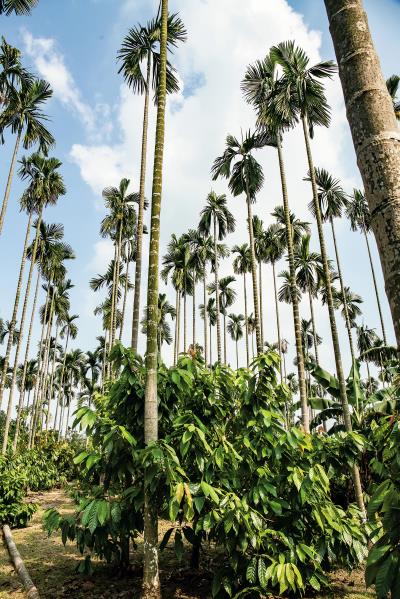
point(52, 568)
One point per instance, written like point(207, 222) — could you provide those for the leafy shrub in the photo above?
point(13, 483)
point(226, 470)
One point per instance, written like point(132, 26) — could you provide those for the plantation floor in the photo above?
point(52, 568)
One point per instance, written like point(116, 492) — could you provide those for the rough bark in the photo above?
point(375, 133)
point(331, 310)
point(151, 579)
point(295, 304)
point(139, 243)
point(19, 566)
point(9, 181)
point(15, 311)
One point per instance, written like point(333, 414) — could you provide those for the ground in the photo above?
point(52, 568)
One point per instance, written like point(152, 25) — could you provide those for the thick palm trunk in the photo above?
point(261, 301)
point(378, 301)
point(205, 314)
point(335, 338)
point(345, 307)
point(375, 135)
point(278, 323)
point(246, 331)
point(121, 330)
point(9, 180)
point(27, 349)
point(15, 310)
point(151, 579)
point(293, 288)
point(259, 343)
point(139, 243)
point(20, 338)
point(217, 306)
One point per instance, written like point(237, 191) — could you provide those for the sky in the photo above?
point(97, 123)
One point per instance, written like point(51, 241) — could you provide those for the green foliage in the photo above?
point(13, 484)
point(226, 470)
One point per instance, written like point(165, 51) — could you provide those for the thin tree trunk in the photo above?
point(313, 325)
point(194, 314)
point(184, 322)
point(261, 301)
point(335, 338)
point(293, 287)
point(217, 307)
point(246, 332)
point(210, 344)
point(116, 289)
point(178, 342)
point(224, 315)
point(9, 180)
point(114, 283)
point(346, 309)
point(378, 301)
point(205, 314)
point(15, 310)
point(121, 330)
point(278, 324)
point(176, 327)
point(259, 343)
point(237, 356)
point(27, 349)
point(53, 368)
point(139, 244)
point(375, 135)
point(151, 579)
point(20, 338)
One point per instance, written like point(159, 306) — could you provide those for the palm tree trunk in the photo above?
point(224, 315)
point(210, 344)
point(252, 343)
point(237, 355)
point(194, 314)
point(261, 301)
point(125, 298)
point(184, 322)
point(61, 393)
point(116, 289)
point(114, 283)
point(53, 369)
point(9, 180)
point(20, 338)
point(15, 310)
point(246, 332)
point(278, 324)
point(217, 307)
point(176, 327)
point(346, 309)
point(151, 579)
point(259, 343)
point(293, 287)
point(139, 243)
point(335, 338)
point(313, 325)
point(375, 134)
point(376, 288)
point(205, 314)
point(27, 349)
point(178, 342)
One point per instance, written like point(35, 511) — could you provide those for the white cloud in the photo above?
point(50, 65)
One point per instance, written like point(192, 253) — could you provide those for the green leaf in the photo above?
point(262, 573)
point(251, 571)
point(166, 538)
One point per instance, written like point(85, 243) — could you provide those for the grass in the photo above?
point(52, 568)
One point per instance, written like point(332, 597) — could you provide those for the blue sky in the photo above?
point(97, 125)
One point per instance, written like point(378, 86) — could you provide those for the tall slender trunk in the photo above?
point(259, 343)
point(335, 338)
point(27, 349)
point(278, 324)
point(293, 288)
point(139, 243)
point(184, 321)
point(9, 180)
point(261, 301)
point(20, 338)
point(114, 283)
point(315, 340)
point(121, 330)
point(116, 288)
point(61, 392)
point(217, 307)
point(237, 355)
point(15, 310)
point(53, 369)
point(39, 366)
point(151, 579)
point(176, 327)
point(375, 134)
point(246, 332)
point(178, 340)
point(252, 344)
point(224, 315)
point(205, 313)
point(345, 306)
point(378, 301)
point(194, 315)
point(210, 344)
